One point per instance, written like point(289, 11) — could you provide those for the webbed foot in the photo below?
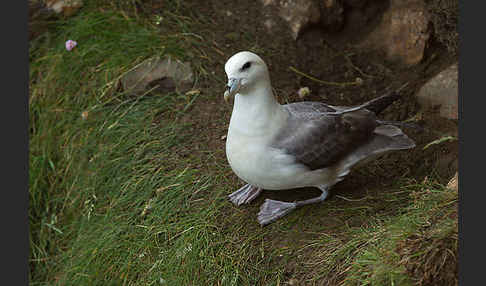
point(245, 194)
point(272, 210)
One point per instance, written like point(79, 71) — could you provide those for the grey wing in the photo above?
point(317, 139)
point(309, 109)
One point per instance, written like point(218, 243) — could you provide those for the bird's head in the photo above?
point(245, 71)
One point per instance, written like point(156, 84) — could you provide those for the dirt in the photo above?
point(324, 56)
point(224, 27)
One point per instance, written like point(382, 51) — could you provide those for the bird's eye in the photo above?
point(246, 66)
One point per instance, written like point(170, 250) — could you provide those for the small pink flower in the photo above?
point(70, 44)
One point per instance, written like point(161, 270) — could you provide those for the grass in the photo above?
point(382, 257)
point(415, 246)
point(112, 202)
point(70, 157)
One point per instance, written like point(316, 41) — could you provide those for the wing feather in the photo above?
point(317, 138)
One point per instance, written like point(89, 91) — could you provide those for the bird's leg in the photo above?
point(245, 194)
point(272, 210)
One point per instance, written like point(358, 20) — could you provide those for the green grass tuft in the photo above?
point(64, 181)
point(381, 253)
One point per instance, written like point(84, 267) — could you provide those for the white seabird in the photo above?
point(305, 144)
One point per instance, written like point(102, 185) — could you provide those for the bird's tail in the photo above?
point(386, 138)
point(377, 105)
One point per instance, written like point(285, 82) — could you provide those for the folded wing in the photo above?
point(317, 138)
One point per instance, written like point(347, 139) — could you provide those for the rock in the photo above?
point(66, 7)
point(453, 183)
point(170, 75)
point(41, 13)
point(299, 14)
point(402, 32)
point(441, 91)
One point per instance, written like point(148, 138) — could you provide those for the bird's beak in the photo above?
point(232, 88)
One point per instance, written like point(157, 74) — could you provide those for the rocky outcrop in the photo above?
point(400, 26)
point(298, 14)
point(453, 183)
point(66, 7)
point(40, 13)
point(402, 32)
point(164, 75)
point(441, 92)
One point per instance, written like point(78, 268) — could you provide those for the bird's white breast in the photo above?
point(259, 164)
point(252, 158)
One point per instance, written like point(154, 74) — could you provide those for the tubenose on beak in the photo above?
point(232, 88)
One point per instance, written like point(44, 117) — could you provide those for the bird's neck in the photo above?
point(255, 111)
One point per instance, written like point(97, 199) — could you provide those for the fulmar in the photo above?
point(305, 144)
